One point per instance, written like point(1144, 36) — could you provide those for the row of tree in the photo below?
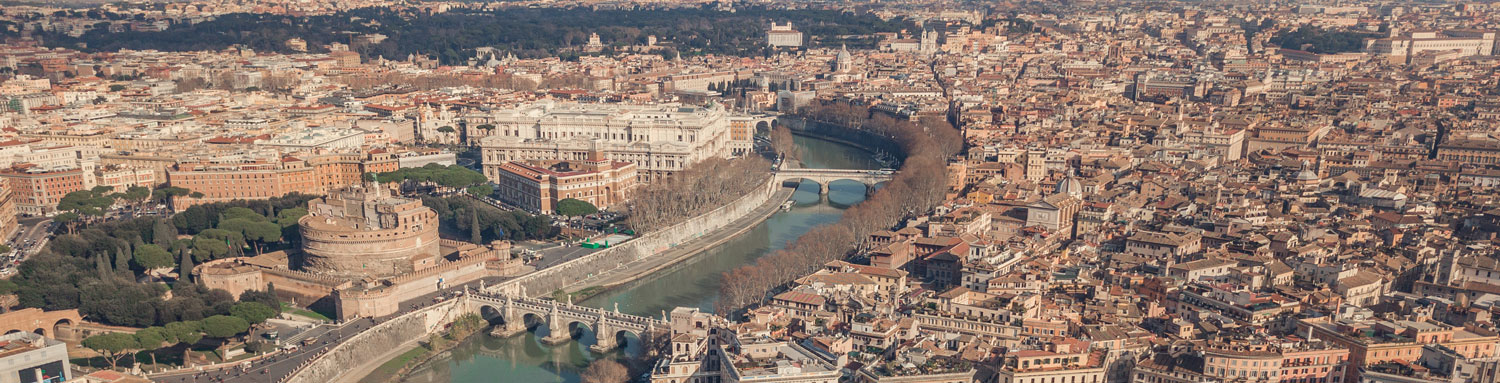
point(486, 223)
point(117, 345)
point(453, 176)
point(96, 269)
point(921, 185)
point(702, 187)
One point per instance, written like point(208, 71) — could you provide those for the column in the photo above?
point(557, 328)
point(604, 337)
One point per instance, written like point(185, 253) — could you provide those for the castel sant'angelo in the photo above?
point(364, 251)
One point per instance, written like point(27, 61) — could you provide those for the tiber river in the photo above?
point(692, 283)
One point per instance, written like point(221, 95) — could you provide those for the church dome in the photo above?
point(1070, 186)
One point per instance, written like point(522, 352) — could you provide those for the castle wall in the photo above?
point(355, 253)
point(387, 299)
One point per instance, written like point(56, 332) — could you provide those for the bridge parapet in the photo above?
point(558, 316)
point(825, 176)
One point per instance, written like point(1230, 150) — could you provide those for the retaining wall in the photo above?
point(386, 336)
point(545, 281)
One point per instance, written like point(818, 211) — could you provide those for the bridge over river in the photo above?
point(825, 176)
point(516, 314)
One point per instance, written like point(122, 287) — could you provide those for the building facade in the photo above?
point(659, 139)
point(540, 185)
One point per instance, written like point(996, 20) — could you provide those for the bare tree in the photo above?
point(921, 185)
point(702, 187)
point(605, 371)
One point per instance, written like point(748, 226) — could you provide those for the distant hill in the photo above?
point(453, 36)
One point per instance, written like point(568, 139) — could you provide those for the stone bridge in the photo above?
point(516, 314)
point(824, 176)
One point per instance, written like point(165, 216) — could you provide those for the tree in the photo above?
point(213, 244)
point(475, 234)
point(116, 88)
point(163, 233)
point(605, 371)
point(445, 129)
point(90, 202)
point(259, 231)
point(184, 332)
point(481, 190)
point(122, 260)
point(68, 220)
point(573, 207)
point(136, 194)
point(242, 213)
point(289, 217)
point(224, 326)
point(784, 143)
point(265, 297)
point(153, 257)
point(151, 338)
point(252, 312)
point(185, 265)
point(113, 346)
point(164, 195)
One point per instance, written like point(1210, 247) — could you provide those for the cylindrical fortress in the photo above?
point(360, 232)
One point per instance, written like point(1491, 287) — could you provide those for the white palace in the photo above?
point(659, 139)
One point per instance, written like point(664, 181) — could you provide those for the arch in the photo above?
point(578, 329)
point(40, 331)
point(850, 180)
point(764, 126)
point(625, 338)
point(12, 331)
point(533, 320)
point(796, 182)
point(63, 329)
point(491, 314)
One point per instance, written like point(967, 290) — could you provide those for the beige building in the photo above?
point(1066, 360)
point(659, 139)
point(1465, 42)
point(540, 185)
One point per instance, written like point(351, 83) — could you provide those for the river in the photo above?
point(692, 283)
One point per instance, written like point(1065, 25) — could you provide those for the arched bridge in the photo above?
point(515, 312)
point(824, 176)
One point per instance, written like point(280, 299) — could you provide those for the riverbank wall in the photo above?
point(544, 282)
point(687, 251)
point(827, 131)
point(356, 353)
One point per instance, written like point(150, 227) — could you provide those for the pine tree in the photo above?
point(475, 235)
point(185, 266)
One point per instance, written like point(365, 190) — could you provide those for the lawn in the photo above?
point(288, 308)
point(391, 367)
